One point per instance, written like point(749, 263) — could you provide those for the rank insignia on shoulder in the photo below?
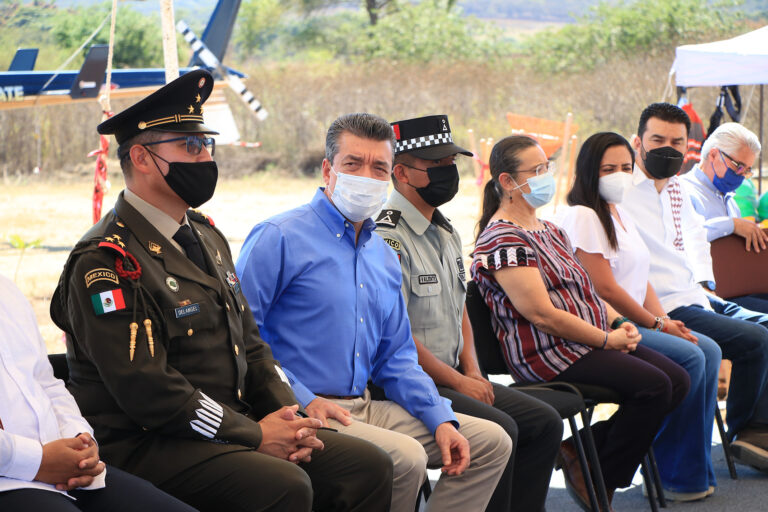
point(200, 217)
point(115, 238)
point(100, 274)
point(106, 302)
point(388, 218)
point(393, 243)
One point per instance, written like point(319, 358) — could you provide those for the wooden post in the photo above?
point(170, 57)
point(561, 163)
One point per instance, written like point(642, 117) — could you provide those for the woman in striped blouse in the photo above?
point(551, 324)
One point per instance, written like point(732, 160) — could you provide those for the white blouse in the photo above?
point(630, 261)
point(35, 407)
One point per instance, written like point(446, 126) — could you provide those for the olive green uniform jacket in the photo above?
point(211, 376)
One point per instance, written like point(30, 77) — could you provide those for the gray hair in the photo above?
point(366, 126)
point(730, 137)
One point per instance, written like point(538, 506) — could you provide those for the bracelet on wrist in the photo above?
point(605, 342)
point(659, 325)
point(618, 321)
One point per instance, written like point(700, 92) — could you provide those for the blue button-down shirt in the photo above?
point(332, 311)
point(718, 209)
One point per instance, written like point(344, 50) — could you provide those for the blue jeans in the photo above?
point(686, 434)
point(743, 338)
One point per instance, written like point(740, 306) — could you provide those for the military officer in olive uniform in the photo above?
point(434, 285)
point(165, 359)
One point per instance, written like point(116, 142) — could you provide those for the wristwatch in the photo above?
point(709, 285)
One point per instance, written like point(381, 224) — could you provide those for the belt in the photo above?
point(337, 397)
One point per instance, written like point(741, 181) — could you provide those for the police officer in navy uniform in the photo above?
point(165, 359)
point(434, 285)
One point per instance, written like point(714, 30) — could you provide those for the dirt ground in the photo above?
point(58, 213)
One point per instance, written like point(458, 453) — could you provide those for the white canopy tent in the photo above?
point(742, 60)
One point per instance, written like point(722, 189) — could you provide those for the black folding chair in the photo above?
point(60, 367)
point(580, 399)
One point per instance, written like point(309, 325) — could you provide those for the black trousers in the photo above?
point(650, 386)
point(536, 430)
point(349, 474)
point(123, 493)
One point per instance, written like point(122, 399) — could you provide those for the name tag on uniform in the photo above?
point(189, 310)
point(428, 279)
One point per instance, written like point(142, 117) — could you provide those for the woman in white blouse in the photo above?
point(608, 245)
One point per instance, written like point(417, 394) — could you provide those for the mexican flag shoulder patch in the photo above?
point(106, 302)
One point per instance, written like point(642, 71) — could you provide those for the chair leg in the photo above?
point(425, 491)
point(726, 444)
point(649, 485)
point(594, 461)
point(656, 477)
point(584, 464)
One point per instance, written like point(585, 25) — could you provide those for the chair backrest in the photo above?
point(60, 366)
point(489, 355)
point(738, 272)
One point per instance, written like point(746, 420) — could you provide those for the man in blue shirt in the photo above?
point(325, 293)
point(727, 157)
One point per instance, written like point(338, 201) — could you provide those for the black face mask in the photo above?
point(193, 182)
point(443, 184)
point(663, 163)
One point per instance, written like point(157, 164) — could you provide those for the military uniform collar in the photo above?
point(156, 244)
point(160, 220)
point(331, 217)
point(417, 222)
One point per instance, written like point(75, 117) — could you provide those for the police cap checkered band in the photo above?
point(426, 137)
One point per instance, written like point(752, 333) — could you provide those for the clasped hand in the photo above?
point(70, 463)
point(288, 436)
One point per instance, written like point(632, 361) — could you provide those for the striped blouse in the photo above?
point(530, 354)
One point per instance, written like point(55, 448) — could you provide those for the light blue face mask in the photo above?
point(542, 189)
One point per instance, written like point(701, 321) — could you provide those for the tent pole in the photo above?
point(760, 161)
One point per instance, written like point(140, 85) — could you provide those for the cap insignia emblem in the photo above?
point(201, 83)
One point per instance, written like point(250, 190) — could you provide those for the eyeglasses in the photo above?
point(195, 143)
point(741, 169)
point(549, 166)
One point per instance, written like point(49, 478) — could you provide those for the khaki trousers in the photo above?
point(413, 449)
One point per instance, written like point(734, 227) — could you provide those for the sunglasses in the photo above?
point(195, 143)
point(740, 168)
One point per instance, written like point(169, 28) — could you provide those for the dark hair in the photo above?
point(366, 126)
point(586, 190)
point(504, 159)
point(666, 112)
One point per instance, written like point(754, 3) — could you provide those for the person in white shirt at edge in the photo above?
point(676, 238)
point(727, 157)
point(49, 460)
point(607, 243)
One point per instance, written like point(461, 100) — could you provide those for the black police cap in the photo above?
point(175, 107)
point(426, 137)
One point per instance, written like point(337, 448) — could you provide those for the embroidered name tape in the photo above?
point(106, 302)
point(428, 279)
point(191, 309)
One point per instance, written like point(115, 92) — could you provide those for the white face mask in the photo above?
point(612, 187)
point(357, 197)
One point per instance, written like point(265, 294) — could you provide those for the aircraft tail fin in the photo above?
point(24, 60)
point(88, 81)
point(219, 30)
